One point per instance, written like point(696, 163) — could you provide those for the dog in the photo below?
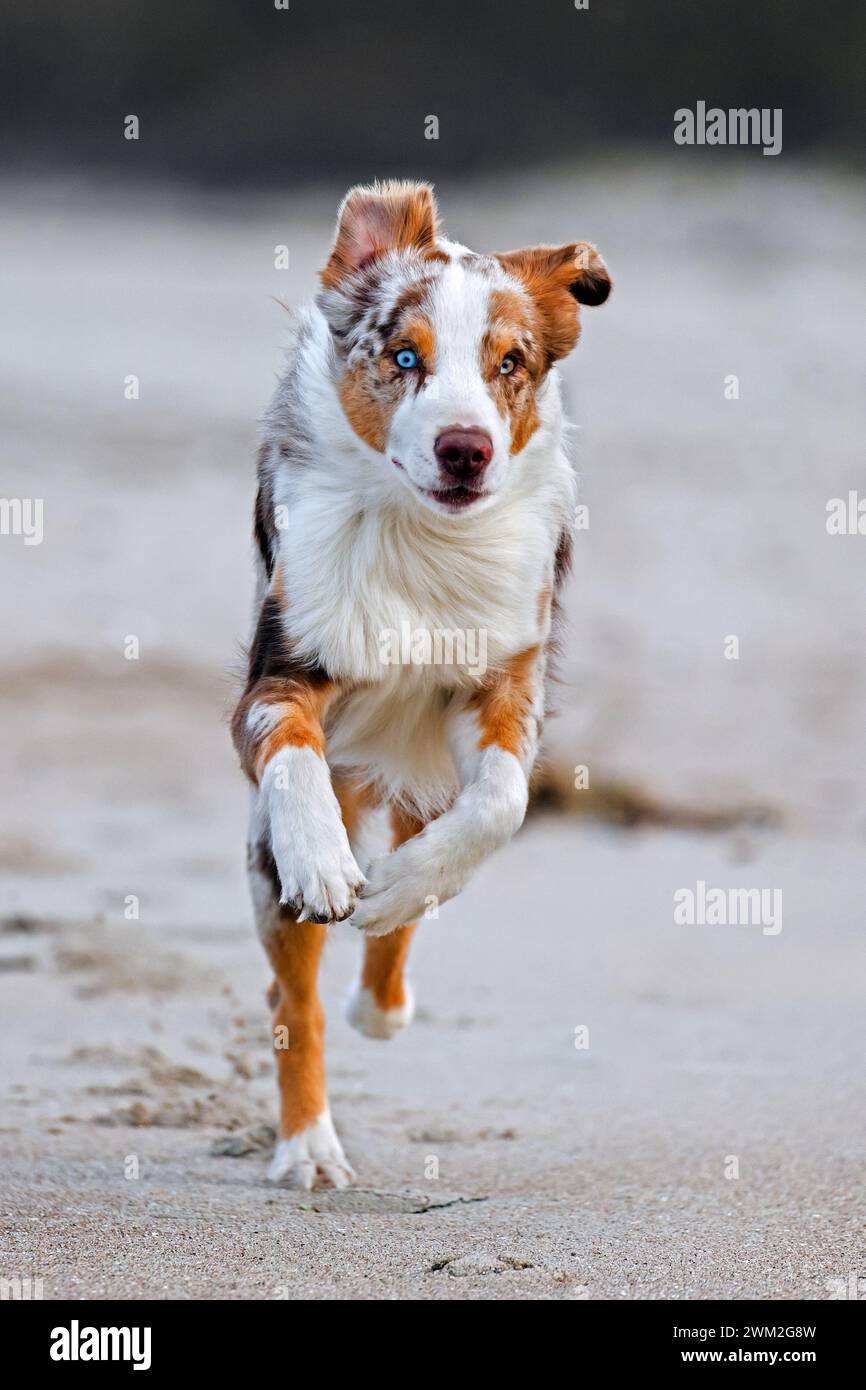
point(412, 480)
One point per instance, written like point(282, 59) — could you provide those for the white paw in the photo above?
point(315, 1155)
point(368, 1018)
point(319, 877)
point(395, 894)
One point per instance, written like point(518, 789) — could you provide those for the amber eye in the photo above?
point(506, 366)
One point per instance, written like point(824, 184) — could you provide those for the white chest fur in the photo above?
point(357, 582)
point(364, 585)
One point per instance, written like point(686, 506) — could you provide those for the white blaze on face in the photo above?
point(456, 393)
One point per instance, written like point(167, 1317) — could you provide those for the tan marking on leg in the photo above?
point(298, 705)
point(294, 949)
point(300, 724)
point(505, 703)
point(385, 956)
point(384, 961)
point(354, 800)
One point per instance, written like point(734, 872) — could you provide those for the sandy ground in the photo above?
point(496, 1159)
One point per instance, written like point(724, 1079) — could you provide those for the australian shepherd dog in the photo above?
point(412, 525)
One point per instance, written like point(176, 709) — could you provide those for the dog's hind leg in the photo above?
point(308, 1150)
point(381, 1001)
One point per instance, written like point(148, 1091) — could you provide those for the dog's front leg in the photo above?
point(494, 738)
point(278, 732)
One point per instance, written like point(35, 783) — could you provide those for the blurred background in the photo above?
point(250, 93)
point(132, 980)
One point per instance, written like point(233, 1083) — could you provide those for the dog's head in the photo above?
point(443, 353)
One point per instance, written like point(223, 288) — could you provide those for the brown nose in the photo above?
point(463, 454)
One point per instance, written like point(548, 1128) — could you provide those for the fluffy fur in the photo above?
point(367, 526)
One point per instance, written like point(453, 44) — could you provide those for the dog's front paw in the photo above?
point(392, 897)
point(322, 887)
point(319, 878)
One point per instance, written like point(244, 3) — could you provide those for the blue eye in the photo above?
point(506, 366)
point(406, 358)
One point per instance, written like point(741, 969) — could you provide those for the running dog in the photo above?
point(412, 482)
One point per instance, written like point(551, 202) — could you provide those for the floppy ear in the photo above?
point(559, 278)
point(592, 285)
point(383, 217)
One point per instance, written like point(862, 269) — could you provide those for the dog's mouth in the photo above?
point(456, 498)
